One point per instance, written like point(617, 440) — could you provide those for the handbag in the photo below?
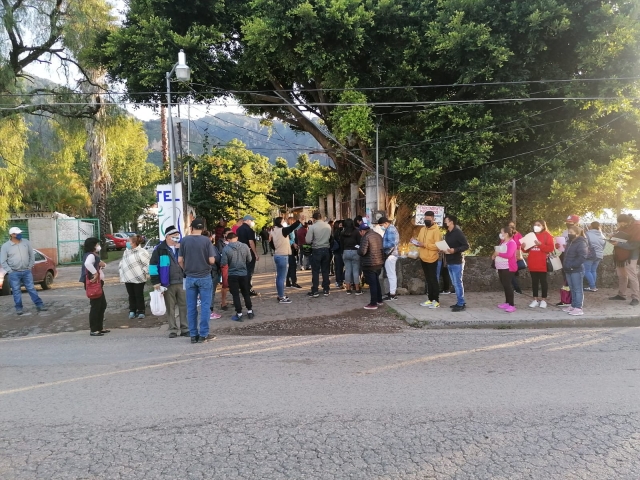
point(565, 295)
point(522, 264)
point(93, 289)
point(553, 263)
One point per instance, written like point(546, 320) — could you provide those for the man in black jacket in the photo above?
point(455, 260)
point(372, 261)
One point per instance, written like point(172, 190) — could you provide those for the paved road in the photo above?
point(548, 404)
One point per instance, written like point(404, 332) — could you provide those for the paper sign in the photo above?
point(438, 213)
point(165, 219)
point(528, 241)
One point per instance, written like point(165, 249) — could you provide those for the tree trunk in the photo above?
point(97, 153)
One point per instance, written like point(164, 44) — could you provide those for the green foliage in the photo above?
point(13, 141)
point(306, 181)
point(232, 181)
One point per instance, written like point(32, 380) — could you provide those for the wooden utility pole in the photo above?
point(513, 202)
point(183, 178)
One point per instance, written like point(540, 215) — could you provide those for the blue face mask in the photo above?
point(129, 245)
point(19, 237)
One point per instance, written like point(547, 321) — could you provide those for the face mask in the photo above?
point(383, 228)
point(128, 245)
point(226, 242)
point(98, 248)
point(19, 236)
point(285, 224)
point(537, 228)
point(428, 223)
point(571, 236)
point(501, 236)
point(253, 224)
point(175, 239)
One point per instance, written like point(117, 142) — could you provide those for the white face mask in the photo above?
point(537, 228)
point(98, 248)
point(252, 224)
point(175, 239)
point(501, 236)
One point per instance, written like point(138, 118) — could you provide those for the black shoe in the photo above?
point(519, 292)
point(42, 308)
point(313, 294)
point(288, 285)
point(173, 335)
point(458, 308)
point(194, 339)
point(454, 306)
point(295, 285)
point(250, 315)
point(224, 308)
point(562, 304)
point(253, 293)
point(388, 297)
point(206, 339)
point(634, 302)
point(617, 297)
point(326, 293)
point(445, 292)
point(96, 334)
point(185, 334)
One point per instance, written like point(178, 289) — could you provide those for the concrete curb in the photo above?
point(570, 322)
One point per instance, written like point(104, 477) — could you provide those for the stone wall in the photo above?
point(480, 277)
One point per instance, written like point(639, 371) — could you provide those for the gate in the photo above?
point(72, 232)
point(21, 224)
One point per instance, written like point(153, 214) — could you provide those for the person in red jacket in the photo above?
point(538, 263)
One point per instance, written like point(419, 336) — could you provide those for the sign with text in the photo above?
point(167, 216)
point(438, 213)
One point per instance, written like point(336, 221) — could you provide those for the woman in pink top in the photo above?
point(507, 266)
point(517, 237)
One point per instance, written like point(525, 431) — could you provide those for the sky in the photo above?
point(54, 72)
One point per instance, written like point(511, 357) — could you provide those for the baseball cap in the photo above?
point(575, 219)
point(248, 217)
point(14, 230)
point(171, 230)
point(363, 226)
point(382, 220)
point(198, 224)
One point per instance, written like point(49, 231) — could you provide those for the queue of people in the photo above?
point(188, 270)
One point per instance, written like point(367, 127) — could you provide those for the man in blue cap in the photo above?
point(247, 235)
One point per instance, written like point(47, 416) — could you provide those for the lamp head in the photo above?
point(183, 72)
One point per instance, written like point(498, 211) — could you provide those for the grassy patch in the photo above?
point(114, 255)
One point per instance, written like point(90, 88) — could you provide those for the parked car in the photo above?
point(121, 243)
point(110, 244)
point(44, 271)
point(151, 244)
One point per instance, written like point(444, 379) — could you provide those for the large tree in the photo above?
point(462, 91)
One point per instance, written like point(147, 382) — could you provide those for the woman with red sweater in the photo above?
point(506, 265)
point(537, 262)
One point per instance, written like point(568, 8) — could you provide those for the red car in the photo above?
point(44, 271)
point(121, 243)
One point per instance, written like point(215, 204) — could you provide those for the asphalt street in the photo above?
point(463, 404)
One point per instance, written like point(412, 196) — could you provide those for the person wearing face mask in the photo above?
point(390, 242)
point(537, 261)
point(280, 238)
point(93, 268)
point(134, 269)
point(17, 258)
point(429, 254)
point(507, 266)
point(516, 238)
point(597, 243)
point(458, 244)
point(625, 255)
point(569, 222)
point(224, 271)
point(247, 235)
point(165, 271)
point(575, 255)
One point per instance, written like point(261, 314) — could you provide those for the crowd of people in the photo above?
point(189, 270)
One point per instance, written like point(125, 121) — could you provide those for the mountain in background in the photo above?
point(276, 140)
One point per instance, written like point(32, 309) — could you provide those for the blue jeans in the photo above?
point(25, 278)
point(202, 286)
point(591, 271)
point(351, 261)
point(455, 272)
point(282, 266)
point(574, 280)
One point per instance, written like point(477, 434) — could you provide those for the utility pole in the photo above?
point(185, 203)
point(377, 170)
point(513, 201)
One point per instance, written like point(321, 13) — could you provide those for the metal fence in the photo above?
point(72, 232)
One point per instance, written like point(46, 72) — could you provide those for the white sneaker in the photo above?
point(576, 311)
point(567, 309)
point(543, 304)
point(534, 304)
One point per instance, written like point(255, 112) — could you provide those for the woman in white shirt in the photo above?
point(134, 271)
point(93, 267)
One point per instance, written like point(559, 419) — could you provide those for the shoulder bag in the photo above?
point(93, 289)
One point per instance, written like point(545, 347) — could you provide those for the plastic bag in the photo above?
point(158, 308)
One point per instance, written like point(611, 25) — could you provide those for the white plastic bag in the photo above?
point(158, 308)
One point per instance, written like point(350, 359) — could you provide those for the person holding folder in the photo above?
point(429, 253)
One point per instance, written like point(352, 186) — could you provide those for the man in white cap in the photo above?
point(17, 259)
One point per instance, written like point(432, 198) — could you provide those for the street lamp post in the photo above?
point(183, 74)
